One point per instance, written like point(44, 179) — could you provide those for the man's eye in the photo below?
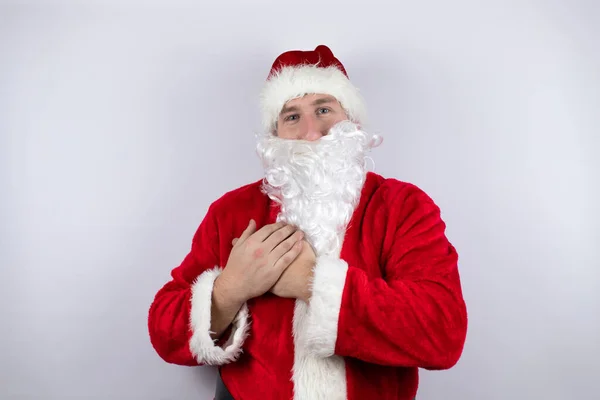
point(291, 117)
point(323, 110)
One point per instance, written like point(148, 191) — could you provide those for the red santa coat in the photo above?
point(389, 304)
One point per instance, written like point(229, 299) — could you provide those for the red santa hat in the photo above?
point(296, 73)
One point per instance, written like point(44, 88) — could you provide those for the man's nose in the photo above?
point(313, 129)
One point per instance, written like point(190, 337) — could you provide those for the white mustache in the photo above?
point(354, 140)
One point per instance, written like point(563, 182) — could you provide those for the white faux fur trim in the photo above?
point(293, 82)
point(318, 374)
point(201, 344)
point(315, 378)
point(325, 303)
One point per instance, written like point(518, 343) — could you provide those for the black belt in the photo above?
point(221, 392)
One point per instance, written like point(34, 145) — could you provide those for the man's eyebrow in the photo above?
point(287, 109)
point(323, 100)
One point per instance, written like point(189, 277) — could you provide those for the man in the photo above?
point(323, 280)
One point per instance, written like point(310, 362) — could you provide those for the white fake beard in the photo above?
point(318, 184)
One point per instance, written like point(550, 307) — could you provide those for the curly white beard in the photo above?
point(318, 184)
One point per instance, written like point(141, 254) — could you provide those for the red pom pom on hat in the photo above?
point(296, 73)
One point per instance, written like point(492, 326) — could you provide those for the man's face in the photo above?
point(309, 117)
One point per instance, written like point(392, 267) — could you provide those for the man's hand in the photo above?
point(294, 282)
point(257, 260)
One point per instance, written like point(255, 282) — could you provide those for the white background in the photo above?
point(121, 123)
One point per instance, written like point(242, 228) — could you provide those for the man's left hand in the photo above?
point(295, 280)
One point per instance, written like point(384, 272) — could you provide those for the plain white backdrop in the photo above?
point(120, 123)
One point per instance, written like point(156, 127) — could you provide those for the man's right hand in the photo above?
point(258, 259)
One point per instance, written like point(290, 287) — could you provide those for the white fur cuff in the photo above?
point(320, 332)
point(202, 346)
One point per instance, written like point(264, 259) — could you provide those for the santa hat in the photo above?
point(296, 73)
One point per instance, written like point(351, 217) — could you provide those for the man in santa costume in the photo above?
point(323, 280)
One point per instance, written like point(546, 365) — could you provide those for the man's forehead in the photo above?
point(313, 99)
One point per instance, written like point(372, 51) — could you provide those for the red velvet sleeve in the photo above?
point(414, 316)
point(179, 316)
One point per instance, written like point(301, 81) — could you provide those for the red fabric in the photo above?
point(321, 55)
point(402, 306)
